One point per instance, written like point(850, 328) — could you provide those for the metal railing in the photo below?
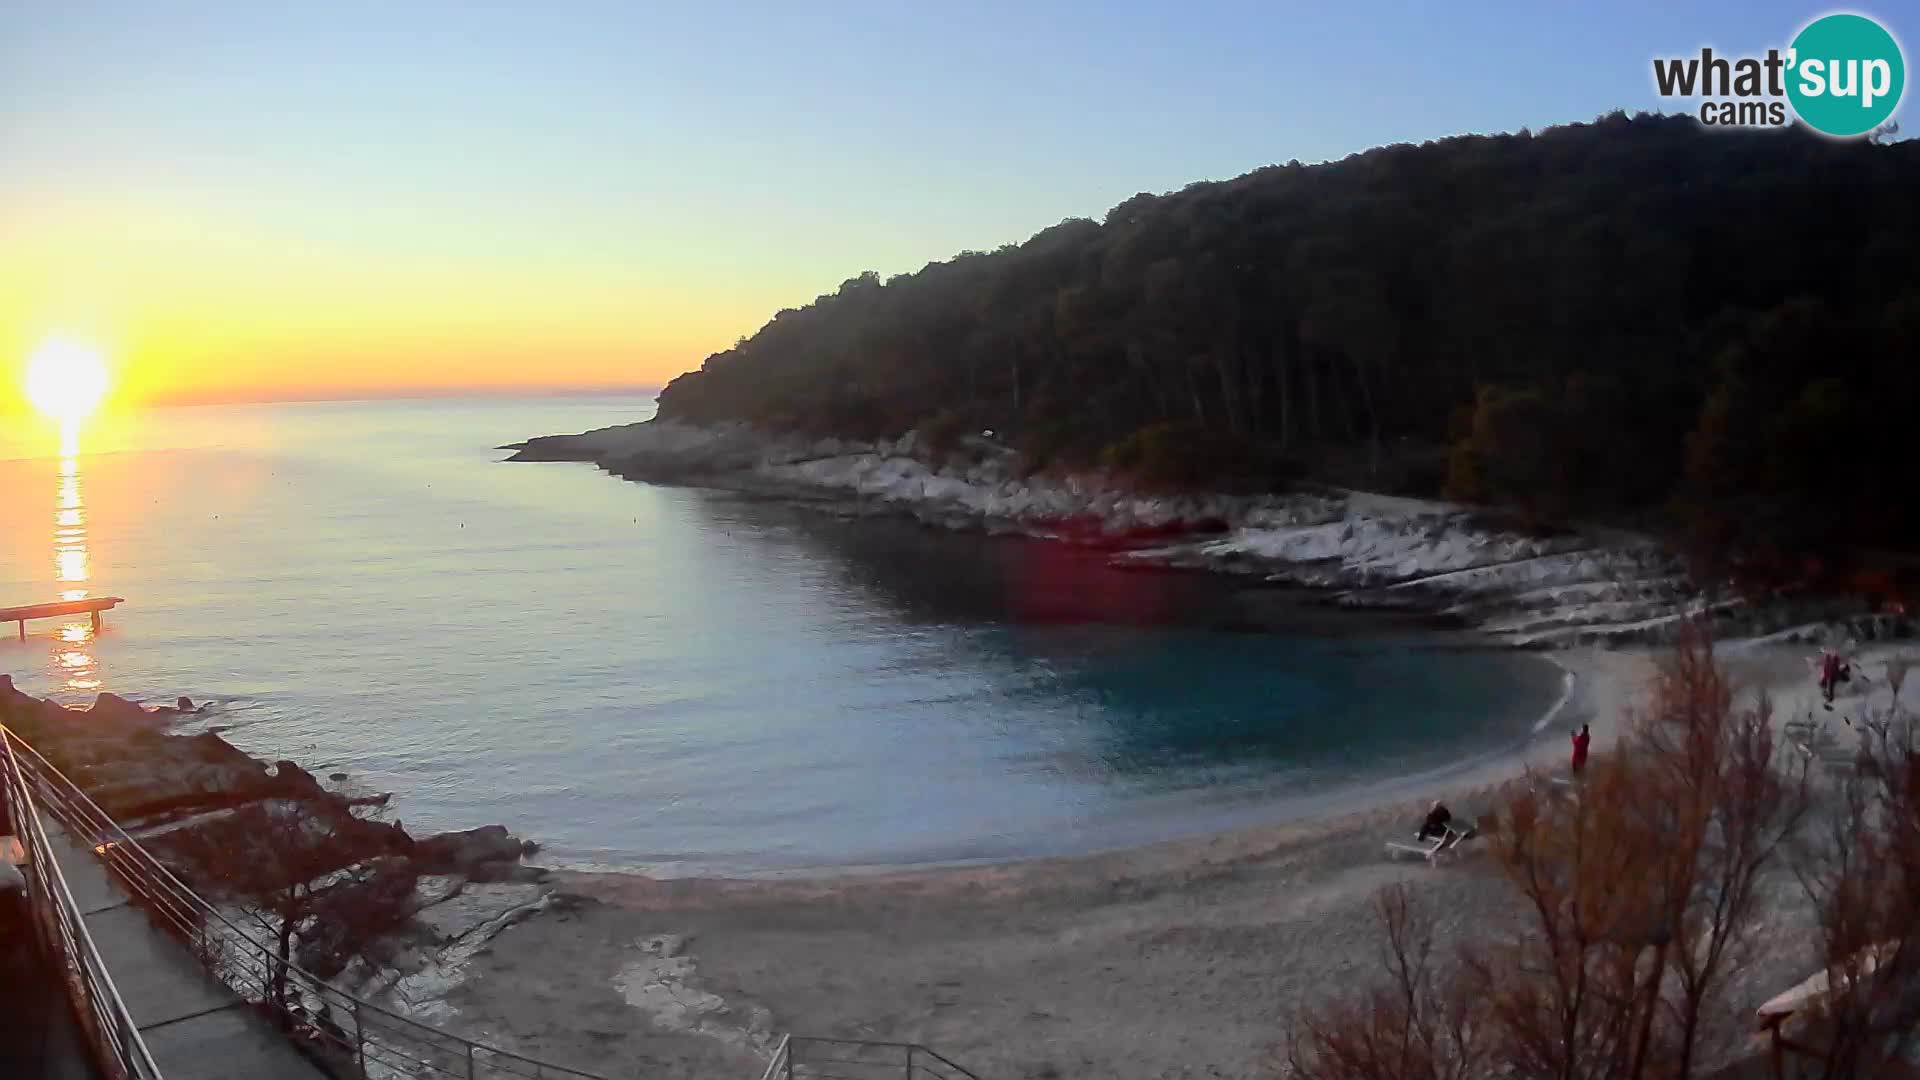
point(800, 1057)
point(346, 1034)
point(108, 1028)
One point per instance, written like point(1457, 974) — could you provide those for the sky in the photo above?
point(259, 201)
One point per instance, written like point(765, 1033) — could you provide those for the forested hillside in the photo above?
point(1633, 319)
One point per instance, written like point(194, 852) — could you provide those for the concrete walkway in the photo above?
point(196, 1028)
point(38, 1037)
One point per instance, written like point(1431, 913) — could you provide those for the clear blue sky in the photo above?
point(709, 163)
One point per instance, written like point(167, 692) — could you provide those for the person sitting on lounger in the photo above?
point(1437, 825)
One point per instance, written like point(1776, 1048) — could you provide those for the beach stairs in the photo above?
point(805, 1057)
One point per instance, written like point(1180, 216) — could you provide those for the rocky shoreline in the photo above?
point(1511, 586)
point(381, 914)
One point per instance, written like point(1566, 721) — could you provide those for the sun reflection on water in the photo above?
point(74, 663)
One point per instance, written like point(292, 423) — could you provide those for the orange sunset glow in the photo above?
point(213, 318)
point(237, 206)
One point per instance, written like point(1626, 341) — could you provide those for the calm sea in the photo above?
point(686, 680)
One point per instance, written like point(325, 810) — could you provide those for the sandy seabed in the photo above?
point(1177, 960)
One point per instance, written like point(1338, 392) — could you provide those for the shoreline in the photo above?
point(438, 968)
point(1176, 959)
point(1135, 963)
point(1243, 807)
point(695, 975)
point(1360, 799)
point(967, 959)
point(1503, 584)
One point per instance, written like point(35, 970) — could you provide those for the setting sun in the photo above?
point(66, 378)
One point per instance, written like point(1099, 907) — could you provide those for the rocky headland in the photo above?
point(1510, 584)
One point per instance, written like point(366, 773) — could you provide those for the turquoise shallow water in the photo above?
point(684, 680)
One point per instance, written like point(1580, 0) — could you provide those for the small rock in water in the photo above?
point(469, 848)
point(113, 708)
point(337, 777)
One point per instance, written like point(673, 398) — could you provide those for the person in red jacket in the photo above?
point(1834, 670)
point(1580, 740)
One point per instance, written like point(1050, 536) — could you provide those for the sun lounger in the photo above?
point(1422, 848)
point(1433, 849)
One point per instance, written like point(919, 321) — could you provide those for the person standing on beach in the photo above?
point(1834, 670)
point(1580, 740)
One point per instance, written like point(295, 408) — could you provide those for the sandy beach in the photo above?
point(1183, 959)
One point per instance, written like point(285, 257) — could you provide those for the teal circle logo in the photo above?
point(1845, 74)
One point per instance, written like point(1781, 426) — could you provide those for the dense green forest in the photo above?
point(1637, 319)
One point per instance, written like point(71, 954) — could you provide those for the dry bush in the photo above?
point(279, 865)
point(1420, 1023)
point(1897, 668)
point(1638, 903)
point(1861, 866)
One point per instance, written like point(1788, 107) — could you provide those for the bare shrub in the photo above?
point(285, 867)
point(1638, 898)
point(1420, 1023)
point(1897, 668)
point(1861, 867)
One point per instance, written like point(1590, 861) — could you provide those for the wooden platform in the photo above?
point(92, 606)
